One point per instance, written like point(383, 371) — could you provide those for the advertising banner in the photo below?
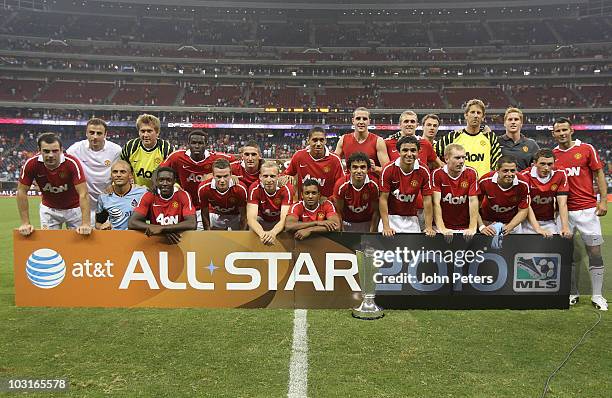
point(218, 269)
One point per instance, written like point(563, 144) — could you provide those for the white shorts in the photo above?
point(364, 226)
point(587, 222)
point(229, 222)
point(55, 218)
point(550, 225)
point(402, 223)
point(455, 231)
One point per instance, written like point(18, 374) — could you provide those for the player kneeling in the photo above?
point(268, 204)
point(547, 187)
point(404, 179)
point(309, 215)
point(168, 209)
point(356, 196)
point(504, 199)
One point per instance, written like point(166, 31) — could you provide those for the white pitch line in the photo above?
point(298, 368)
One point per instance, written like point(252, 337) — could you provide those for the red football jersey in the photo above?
point(244, 176)
point(228, 202)
point(500, 204)
point(579, 162)
point(162, 211)
point(358, 203)
point(427, 154)
point(57, 185)
point(404, 188)
point(191, 173)
point(350, 145)
point(269, 206)
point(322, 212)
point(543, 191)
point(326, 170)
point(455, 193)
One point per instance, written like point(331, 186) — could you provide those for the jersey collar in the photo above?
point(534, 174)
point(514, 182)
point(206, 155)
point(62, 158)
point(213, 185)
point(367, 180)
point(416, 165)
point(445, 168)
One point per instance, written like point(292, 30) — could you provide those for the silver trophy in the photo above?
point(368, 309)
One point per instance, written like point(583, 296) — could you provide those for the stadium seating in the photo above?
point(538, 97)
point(77, 92)
point(145, 94)
point(19, 90)
point(493, 97)
point(412, 100)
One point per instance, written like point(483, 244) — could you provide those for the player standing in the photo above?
point(146, 152)
point(431, 124)
point(581, 163)
point(361, 140)
point(96, 155)
point(514, 143)
point(316, 162)
point(408, 125)
point(62, 183)
point(247, 169)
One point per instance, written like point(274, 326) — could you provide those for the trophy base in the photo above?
point(368, 310)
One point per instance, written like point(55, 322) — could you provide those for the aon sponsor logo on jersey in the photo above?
point(501, 209)
point(359, 209)
point(53, 189)
point(454, 200)
point(474, 157)
point(321, 181)
point(167, 220)
point(542, 201)
point(271, 213)
point(403, 197)
point(193, 177)
point(572, 171)
point(223, 210)
point(144, 173)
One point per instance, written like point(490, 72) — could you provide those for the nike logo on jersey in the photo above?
point(156, 205)
point(303, 165)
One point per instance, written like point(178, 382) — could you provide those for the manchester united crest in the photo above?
point(62, 175)
point(107, 163)
point(277, 201)
point(232, 200)
point(514, 198)
point(554, 187)
point(577, 156)
point(326, 169)
point(464, 184)
point(525, 148)
point(175, 204)
point(414, 183)
point(320, 216)
point(365, 196)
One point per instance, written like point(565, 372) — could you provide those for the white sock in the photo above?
point(597, 274)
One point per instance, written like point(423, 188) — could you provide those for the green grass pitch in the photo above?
point(246, 353)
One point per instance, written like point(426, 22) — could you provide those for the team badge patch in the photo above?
point(277, 201)
point(107, 163)
point(578, 156)
point(365, 196)
point(175, 205)
point(62, 175)
point(320, 216)
point(514, 198)
point(483, 143)
point(554, 187)
point(232, 200)
point(157, 161)
point(134, 203)
point(525, 149)
point(326, 169)
point(414, 183)
point(464, 184)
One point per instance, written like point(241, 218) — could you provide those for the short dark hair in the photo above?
point(221, 164)
point(48, 138)
point(408, 139)
point(95, 121)
point(358, 157)
point(311, 182)
point(562, 120)
point(165, 168)
point(506, 159)
point(316, 129)
point(254, 144)
point(197, 132)
point(543, 153)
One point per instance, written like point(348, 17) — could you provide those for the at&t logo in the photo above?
point(45, 268)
